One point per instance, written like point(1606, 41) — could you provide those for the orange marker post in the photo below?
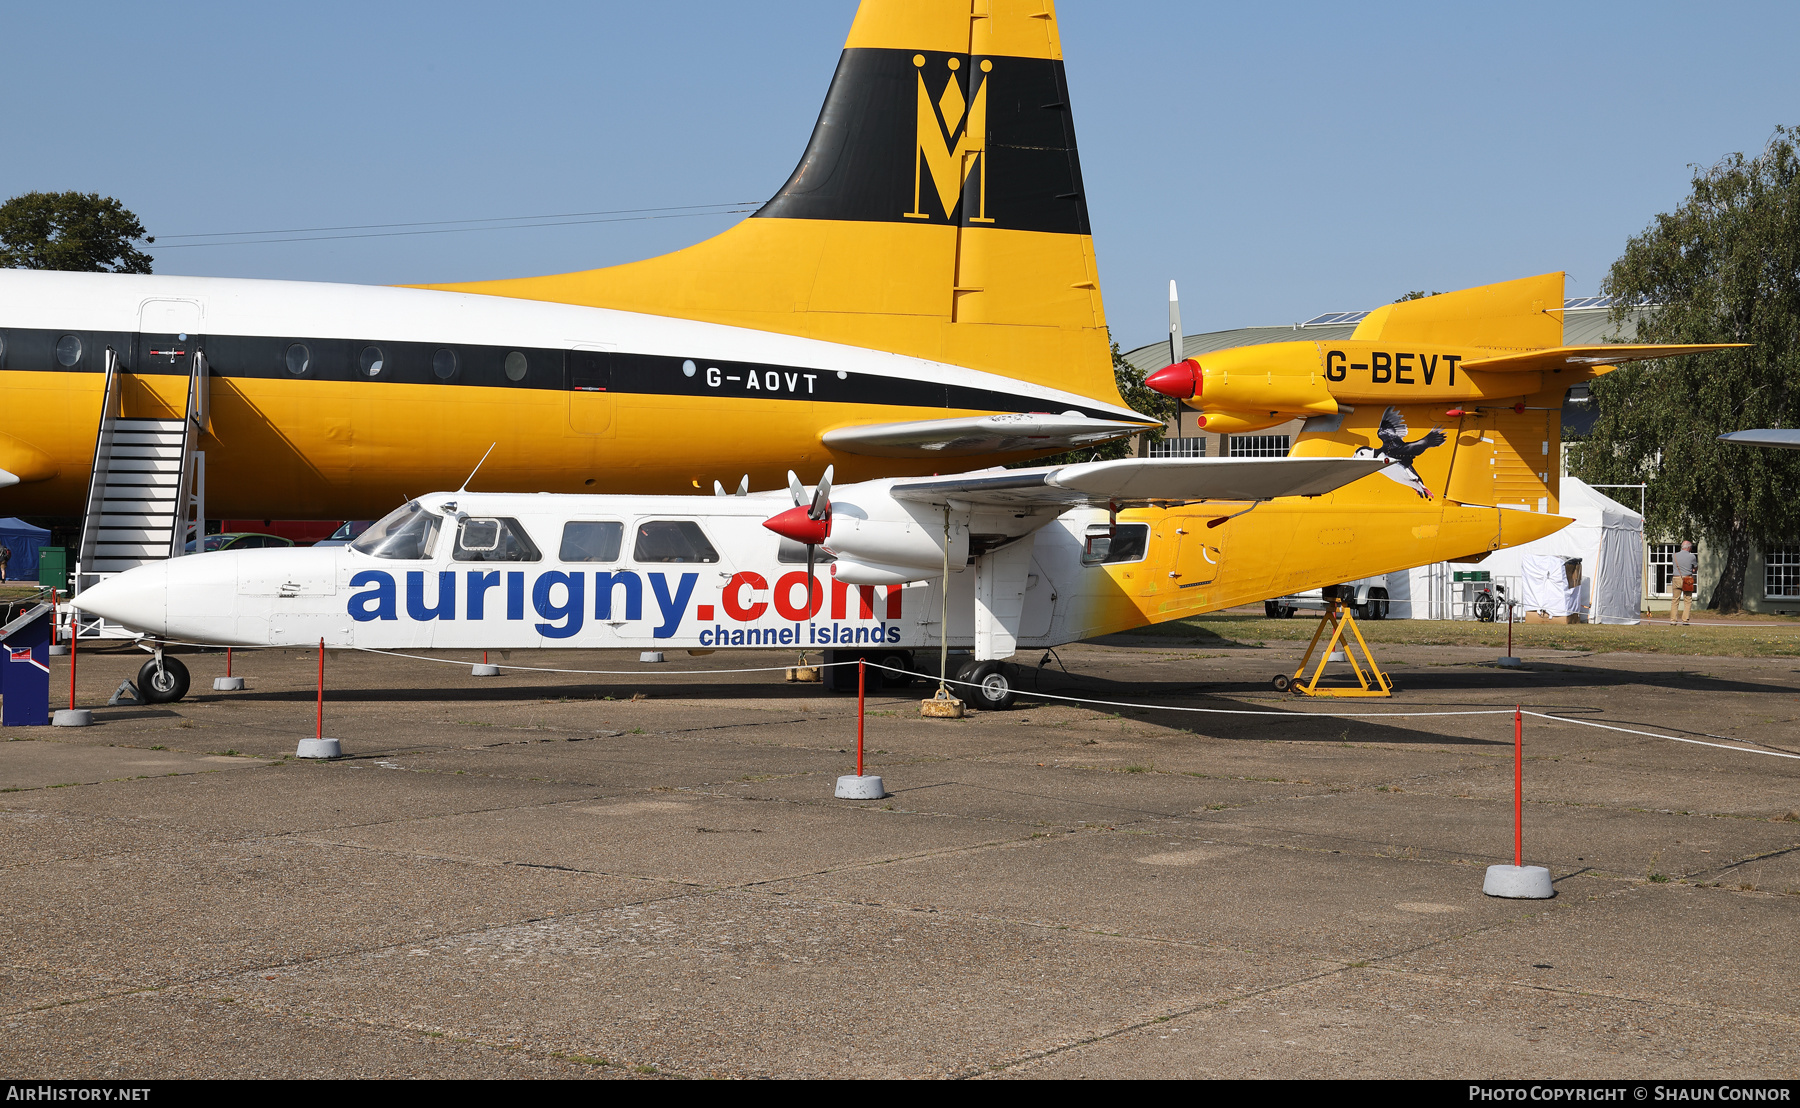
point(321, 732)
point(1518, 787)
point(74, 640)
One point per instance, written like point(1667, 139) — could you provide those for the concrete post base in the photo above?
point(651, 656)
point(483, 669)
point(319, 748)
point(1519, 882)
point(852, 787)
point(72, 717)
point(57, 650)
point(228, 684)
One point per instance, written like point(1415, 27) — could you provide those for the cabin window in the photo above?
point(298, 358)
point(371, 361)
point(516, 365)
point(584, 541)
point(494, 539)
point(443, 363)
point(2, 351)
point(68, 351)
point(1107, 545)
point(673, 540)
point(794, 554)
point(407, 533)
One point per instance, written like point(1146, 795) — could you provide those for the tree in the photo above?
point(1723, 267)
point(1138, 397)
point(71, 231)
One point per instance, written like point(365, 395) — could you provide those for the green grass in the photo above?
point(1759, 637)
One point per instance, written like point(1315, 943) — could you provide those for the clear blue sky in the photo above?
point(1278, 160)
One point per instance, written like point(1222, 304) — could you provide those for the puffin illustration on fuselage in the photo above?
point(1396, 450)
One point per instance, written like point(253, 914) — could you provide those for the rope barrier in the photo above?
point(1671, 738)
point(1036, 694)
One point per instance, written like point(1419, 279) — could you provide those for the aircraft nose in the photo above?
point(137, 598)
point(1181, 380)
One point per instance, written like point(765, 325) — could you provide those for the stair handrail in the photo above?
point(193, 422)
point(111, 403)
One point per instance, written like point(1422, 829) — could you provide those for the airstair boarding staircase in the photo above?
point(147, 495)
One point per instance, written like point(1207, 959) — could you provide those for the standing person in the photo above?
point(5, 557)
point(1687, 565)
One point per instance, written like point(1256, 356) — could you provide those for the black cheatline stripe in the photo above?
point(266, 357)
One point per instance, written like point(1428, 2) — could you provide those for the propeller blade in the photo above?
point(821, 503)
point(1176, 352)
point(744, 486)
point(811, 581)
point(796, 489)
point(718, 489)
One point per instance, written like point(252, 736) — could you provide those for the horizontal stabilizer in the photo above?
point(1009, 432)
point(1131, 481)
point(1586, 357)
point(1785, 438)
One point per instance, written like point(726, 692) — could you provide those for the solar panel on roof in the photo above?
point(1334, 317)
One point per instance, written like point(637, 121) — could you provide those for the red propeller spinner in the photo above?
point(797, 524)
point(808, 522)
point(1181, 380)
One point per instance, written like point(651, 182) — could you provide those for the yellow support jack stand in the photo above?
point(1373, 682)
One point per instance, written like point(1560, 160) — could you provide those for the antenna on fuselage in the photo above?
point(477, 469)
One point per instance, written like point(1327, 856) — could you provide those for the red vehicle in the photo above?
point(301, 532)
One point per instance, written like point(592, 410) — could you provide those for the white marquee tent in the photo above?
point(1607, 536)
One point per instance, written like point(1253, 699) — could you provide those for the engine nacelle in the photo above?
point(885, 534)
point(1238, 423)
point(854, 572)
point(1280, 377)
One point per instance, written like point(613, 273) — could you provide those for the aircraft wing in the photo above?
point(1586, 357)
point(970, 435)
point(1785, 438)
point(1130, 481)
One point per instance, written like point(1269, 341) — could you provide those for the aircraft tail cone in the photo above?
point(1518, 528)
point(1181, 380)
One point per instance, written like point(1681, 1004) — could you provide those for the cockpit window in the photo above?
point(406, 533)
point(493, 539)
point(1124, 543)
point(673, 540)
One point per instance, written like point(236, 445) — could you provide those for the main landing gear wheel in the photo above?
point(990, 686)
point(162, 684)
point(895, 661)
point(1282, 682)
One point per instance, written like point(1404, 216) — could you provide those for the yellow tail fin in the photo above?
point(938, 210)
